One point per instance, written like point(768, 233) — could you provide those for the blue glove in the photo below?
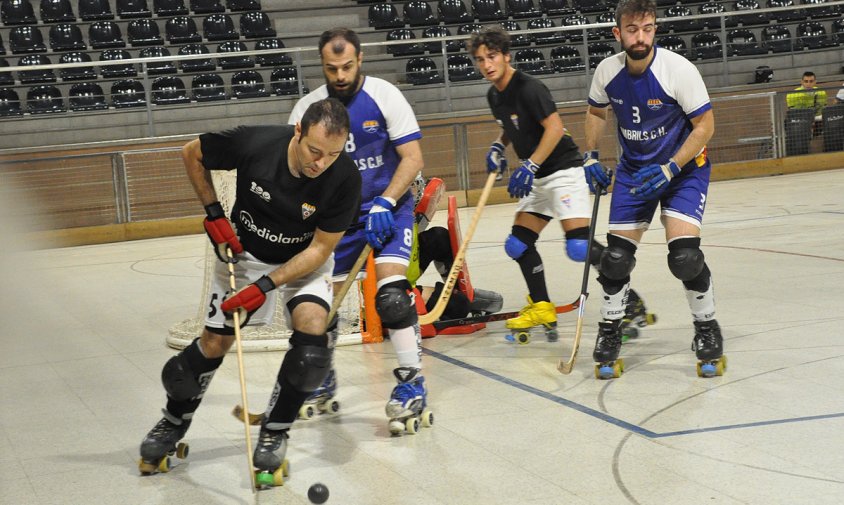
point(654, 179)
point(521, 181)
point(597, 176)
point(379, 222)
point(495, 160)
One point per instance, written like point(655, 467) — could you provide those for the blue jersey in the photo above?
point(654, 109)
point(381, 119)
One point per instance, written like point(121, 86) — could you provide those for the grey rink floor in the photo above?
point(83, 345)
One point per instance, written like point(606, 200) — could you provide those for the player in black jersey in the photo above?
point(550, 182)
point(297, 193)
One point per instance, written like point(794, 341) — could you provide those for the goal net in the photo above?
point(273, 337)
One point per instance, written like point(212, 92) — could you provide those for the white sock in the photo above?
point(613, 306)
point(702, 304)
point(407, 342)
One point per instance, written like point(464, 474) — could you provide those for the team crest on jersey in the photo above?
point(307, 210)
point(566, 200)
point(515, 120)
point(654, 103)
point(370, 126)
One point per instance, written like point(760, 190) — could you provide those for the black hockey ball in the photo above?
point(318, 493)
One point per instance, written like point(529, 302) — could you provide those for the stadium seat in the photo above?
point(271, 60)
point(833, 127)
point(566, 59)
point(837, 29)
point(776, 39)
point(419, 13)
point(520, 9)
point(422, 71)
point(85, 96)
point(6, 78)
point(234, 46)
point(487, 10)
point(602, 33)
point(453, 12)
point(712, 23)
point(130, 9)
point(531, 61)
point(706, 46)
point(103, 34)
point(77, 73)
point(516, 40)
point(181, 30)
point(111, 71)
point(556, 7)
point(198, 65)
point(26, 39)
point(461, 68)
point(792, 14)
point(285, 81)
point(208, 88)
point(749, 19)
point(206, 6)
point(2, 46)
point(256, 25)
point(830, 11)
point(384, 15)
point(243, 5)
point(674, 44)
point(144, 32)
point(681, 25)
point(547, 37)
point(168, 90)
point(403, 49)
point(575, 36)
point(248, 84)
point(219, 27)
point(66, 37)
point(35, 76)
point(17, 12)
point(158, 67)
point(169, 7)
point(812, 35)
point(432, 32)
point(10, 103)
point(44, 99)
point(598, 52)
point(57, 11)
point(128, 93)
point(588, 6)
point(95, 10)
point(742, 42)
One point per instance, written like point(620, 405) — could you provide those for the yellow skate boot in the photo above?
point(534, 314)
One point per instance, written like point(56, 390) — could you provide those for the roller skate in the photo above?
point(636, 316)
point(322, 400)
point(270, 465)
point(407, 408)
point(708, 346)
point(533, 314)
point(162, 442)
point(607, 363)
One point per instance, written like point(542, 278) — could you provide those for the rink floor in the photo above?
point(83, 346)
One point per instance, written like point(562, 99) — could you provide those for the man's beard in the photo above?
point(638, 54)
point(344, 95)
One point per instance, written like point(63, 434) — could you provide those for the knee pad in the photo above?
point(577, 244)
point(305, 366)
point(394, 306)
point(519, 242)
point(685, 259)
point(186, 375)
point(618, 258)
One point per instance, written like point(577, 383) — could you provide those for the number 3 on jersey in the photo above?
point(636, 118)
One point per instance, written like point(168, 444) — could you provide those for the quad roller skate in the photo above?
point(407, 409)
point(636, 316)
point(270, 465)
point(607, 363)
point(542, 314)
point(708, 346)
point(162, 442)
point(322, 400)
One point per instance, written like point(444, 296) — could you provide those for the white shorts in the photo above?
point(561, 195)
point(249, 269)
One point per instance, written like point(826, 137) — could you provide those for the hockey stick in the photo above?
point(239, 344)
point(459, 258)
point(257, 419)
point(565, 367)
point(498, 316)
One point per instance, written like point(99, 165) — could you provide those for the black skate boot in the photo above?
point(708, 346)
point(635, 316)
point(607, 346)
point(162, 442)
point(268, 458)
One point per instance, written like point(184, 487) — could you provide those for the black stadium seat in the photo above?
point(2, 47)
point(488, 10)
point(6, 78)
point(556, 7)
point(384, 15)
point(26, 39)
point(208, 88)
point(451, 46)
point(44, 99)
point(182, 30)
point(243, 5)
point(523, 9)
point(158, 67)
point(35, 76)
point(128, 93)
point(793, 14)
point(144, 32)
point(516, 40)
point(750, 19)
point(531, 61)
point(575, 36)
point(219, 27)
point(95, 10)
point(598, 52)
point(812, 35)
point(103, 34)
point(419, 13)
point(124, 70)
point(57, 11)
point(837, 30)
point(422, 71)
point(10, 103)
point(168, 90)
point(234, 46)
point(777, 39)
point(85, 96)
point(76, 73)
point(453, 12)
point(17, 12)
point(129, 9)
point(248, 84)
point(706, 46)
point(197, 65)
point(587, 6)
point(682, 25)
point(285, 81)
point(461, 68)
point(830, 11)
point(547, 37)
point(674, 44)
point(567, 59)
point(256, 25)
point(742, 42)
point(403, 49)
point(169, 7)
point(66, 37)
point(712, 23)
point(206, 6)
point(602, 33)
point(271, 60)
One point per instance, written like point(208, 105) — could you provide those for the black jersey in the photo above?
point(275, 213)
point(519, 110)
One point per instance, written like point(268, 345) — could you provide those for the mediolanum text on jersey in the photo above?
point(643, 135)
point(266, 234)
point(369, 162)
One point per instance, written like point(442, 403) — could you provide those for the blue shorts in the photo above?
point(684, 199)
point(397, 250)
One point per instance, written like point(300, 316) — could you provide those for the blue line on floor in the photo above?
point(614, 420)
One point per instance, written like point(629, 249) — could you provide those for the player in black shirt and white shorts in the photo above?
point(297, 192)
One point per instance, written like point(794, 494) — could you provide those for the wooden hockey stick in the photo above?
point(498, 316)
point(565, 367)
point(459, 258)
point(241, 369)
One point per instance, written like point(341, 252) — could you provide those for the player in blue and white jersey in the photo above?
point(384, 143)
point(664, 121)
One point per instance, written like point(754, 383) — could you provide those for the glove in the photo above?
point(247, 300)
point(220, 232)
point(379, 222)
point(495, 160)
point(597, 176)
point(654, 179)
point(522, 179)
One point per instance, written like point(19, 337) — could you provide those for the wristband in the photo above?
point(215, 211)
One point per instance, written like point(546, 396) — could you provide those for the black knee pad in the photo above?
point(618, 258)
point(307, 363)
point(394, 305)
point(187, 374)
point(685, 259)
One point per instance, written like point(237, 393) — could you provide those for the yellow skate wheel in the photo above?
point(650, 318)
point(427, 418)
point(146, 468)
point(523, 337)
point(618, 368)
point(164, 464)
point(306, 411)
point(182, 450)
point(412, 425)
